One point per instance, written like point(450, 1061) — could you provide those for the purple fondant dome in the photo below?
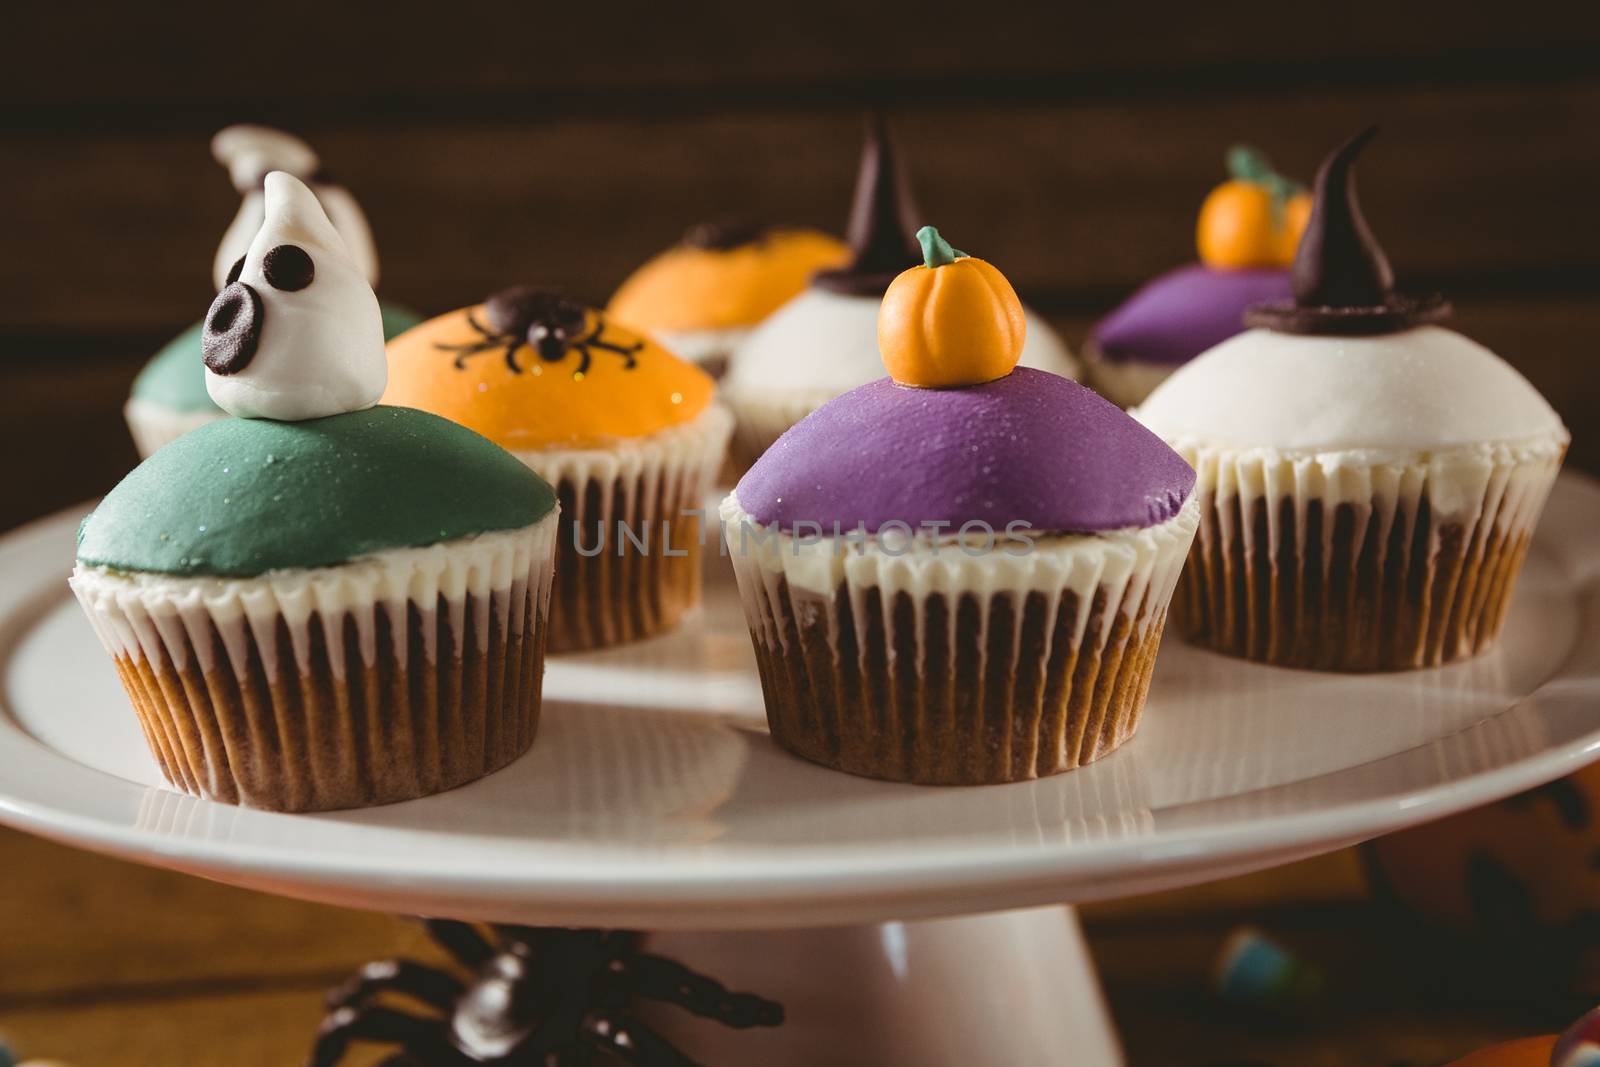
point(1182, 313)
point(1030, 447)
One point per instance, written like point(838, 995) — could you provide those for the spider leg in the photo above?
point(466, 945)
point(662, 979)
point(625, 351)
point(511, 356)
point(427, 984)
point(420, 1037)
point(631, 1041)
point(582, 348)
point(488, 334)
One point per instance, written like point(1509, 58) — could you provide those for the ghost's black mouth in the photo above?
point(232, 330)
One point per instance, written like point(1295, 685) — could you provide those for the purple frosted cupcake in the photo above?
point(1248, 229)
point(956, 578)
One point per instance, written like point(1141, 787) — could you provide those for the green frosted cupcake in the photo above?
point(322, 603)
point(169, 395)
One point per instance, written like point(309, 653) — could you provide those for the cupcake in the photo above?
point(169, 396)
point(1248, 230)
point(321, 603)
point(958, 574)
point(630, 436)
point(1369, 480)
point(702, 297)
point(824, 342)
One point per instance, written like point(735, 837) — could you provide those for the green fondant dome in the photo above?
point(240, 497)
point(175, 377)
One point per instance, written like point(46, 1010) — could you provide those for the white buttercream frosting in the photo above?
point(249, 152)
point(320, 350)
point(826, 343)
point(1387, 397)
point(1143, 562)
point(158, 617)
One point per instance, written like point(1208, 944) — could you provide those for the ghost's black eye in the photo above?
point(234, 271)
point(288, 267)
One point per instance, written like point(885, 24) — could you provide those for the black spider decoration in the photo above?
point(537, 997)
point(544, 320)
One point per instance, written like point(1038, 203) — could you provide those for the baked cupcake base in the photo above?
point(428, 678)
point(942, 668)
point(1335, 561)
point(610, 589)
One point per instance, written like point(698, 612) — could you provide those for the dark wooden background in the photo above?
point(491, 143)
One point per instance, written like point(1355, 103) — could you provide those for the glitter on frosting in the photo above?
point(1030, 447)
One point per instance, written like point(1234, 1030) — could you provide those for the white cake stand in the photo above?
point(654, 800)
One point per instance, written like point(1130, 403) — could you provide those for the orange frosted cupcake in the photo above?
point(630, 436)
point(701, 297)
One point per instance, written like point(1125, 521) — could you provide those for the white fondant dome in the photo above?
point(1419, 389)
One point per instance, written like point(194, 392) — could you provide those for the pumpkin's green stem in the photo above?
point(1248, 164)
point(936, 251)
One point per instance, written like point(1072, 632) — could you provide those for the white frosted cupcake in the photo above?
point(1369, 480)
point(824, 342)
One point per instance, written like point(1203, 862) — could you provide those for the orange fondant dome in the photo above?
point(531, 370)
point(718, 279)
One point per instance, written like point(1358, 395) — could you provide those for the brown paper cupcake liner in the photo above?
point(1349, 567)
point(336, 690)
point(967, 671)
point(632, 541)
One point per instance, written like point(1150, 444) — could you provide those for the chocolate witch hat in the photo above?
point(883, 221)
point(1342, 281)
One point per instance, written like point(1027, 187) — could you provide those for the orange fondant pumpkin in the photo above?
point(1254, 219)
point(953, 321)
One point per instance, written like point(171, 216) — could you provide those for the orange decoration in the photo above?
point(1255, 219)
point(1529, 1052)
point(953, 321)
point(1296, 213)
point(587, 382)
point(694, 288)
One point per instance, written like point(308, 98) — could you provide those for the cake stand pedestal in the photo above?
point(654, 800)
point(1015, 987)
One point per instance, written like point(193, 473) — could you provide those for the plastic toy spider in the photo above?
point(544, 320)
point(537, 998)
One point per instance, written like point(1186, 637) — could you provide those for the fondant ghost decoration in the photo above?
point(295, 332)
point(250, 153)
